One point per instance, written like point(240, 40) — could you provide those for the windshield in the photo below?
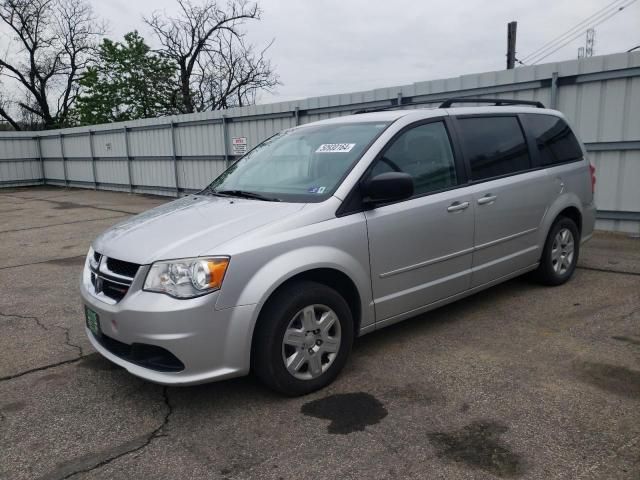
point(304, 164)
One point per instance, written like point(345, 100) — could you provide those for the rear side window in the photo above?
point(554, 140)
point(494, 146)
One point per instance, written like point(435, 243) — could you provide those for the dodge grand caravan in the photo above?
point(334, 229)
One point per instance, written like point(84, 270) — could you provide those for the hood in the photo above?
point(188, 227)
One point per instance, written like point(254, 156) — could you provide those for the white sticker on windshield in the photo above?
point(335, 147)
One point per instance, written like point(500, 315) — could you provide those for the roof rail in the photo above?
point(496, 101)
point(394, 106)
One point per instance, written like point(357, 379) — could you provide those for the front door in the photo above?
point(421, 248)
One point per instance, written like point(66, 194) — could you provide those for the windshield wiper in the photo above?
point(244, 194)
point(211, 191)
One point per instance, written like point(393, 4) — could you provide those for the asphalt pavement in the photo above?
point(519, 381)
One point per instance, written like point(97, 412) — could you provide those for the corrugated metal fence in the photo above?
point(181, 154)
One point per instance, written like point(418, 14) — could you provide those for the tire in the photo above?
point(558, 261)
point(293, 310)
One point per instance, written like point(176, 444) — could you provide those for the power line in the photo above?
point(571, 30)
point(546, 54)
point(595, 16)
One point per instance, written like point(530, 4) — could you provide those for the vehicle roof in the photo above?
point(392, 115)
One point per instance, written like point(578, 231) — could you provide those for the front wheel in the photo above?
point(303, 338)
point(560, 254)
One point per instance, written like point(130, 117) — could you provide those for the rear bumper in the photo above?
point(212, 344)
point(588, 222)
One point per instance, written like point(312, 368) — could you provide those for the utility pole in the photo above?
point(511, 44)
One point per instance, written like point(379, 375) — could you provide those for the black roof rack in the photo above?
point(495, 101)
point(447, 103)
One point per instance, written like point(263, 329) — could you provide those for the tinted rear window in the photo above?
point(494, 146)
point(555, 141)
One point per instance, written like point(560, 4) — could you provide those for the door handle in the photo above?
point(488, 198)
point(457, 206)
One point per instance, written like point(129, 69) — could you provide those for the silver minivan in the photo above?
point(332, 230)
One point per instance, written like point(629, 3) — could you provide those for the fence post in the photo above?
point(554, 91)
point(64, 162)
point(175, 158)
point(93, 161)
point(39, 150)
point(226, 141)
point(399, 99)
point(126, 149)
point(296, 113)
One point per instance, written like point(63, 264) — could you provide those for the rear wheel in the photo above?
point(560, 254)
point(303, 338)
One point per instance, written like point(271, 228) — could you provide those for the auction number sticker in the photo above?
point(335, 147)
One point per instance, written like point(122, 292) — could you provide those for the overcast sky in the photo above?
point(333, 46)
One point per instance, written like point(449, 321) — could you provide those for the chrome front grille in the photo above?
point(111, 277)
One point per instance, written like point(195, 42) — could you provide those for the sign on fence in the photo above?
point(239, 145)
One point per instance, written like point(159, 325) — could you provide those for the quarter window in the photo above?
point(494, 146)
point(555, 141)
point(424, 152)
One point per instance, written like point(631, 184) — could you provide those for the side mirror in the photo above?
point(387, 187)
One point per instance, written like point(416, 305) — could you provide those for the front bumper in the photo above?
point(212, 344)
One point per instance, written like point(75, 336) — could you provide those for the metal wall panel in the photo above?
point(199, 139)
point(617, 176)
point(109, 144)
point(174, 155)
point(112, 171)
point(53, 169)
point(76, 146)
point(12, 172)
point(14, 149)
point(158, 173)
point(50, 146)
point(150, 143)
point(196, 174)
point(79, 170)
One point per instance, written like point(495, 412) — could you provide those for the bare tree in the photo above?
point(217, 68)
point(53, 41)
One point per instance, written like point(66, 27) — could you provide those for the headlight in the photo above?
point(92, 258)
point(188, 277)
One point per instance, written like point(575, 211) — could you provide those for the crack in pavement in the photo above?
point(67, 330)
point(605, 270)
point(66, 204)
point(58, 194)
point(67, 341)
point(42, 261)
point(90, 463)
point(63, 223)
point(39, 369)
point(25, 317)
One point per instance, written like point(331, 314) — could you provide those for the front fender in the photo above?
point(287, 265)
point(263, 264)
point(261, 285)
